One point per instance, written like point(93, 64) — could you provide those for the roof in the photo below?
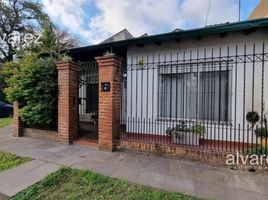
point(122, 35)
point(208, 30)
point(260, 11)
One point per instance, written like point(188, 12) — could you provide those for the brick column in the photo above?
point(17, 125)
point(109, 101)
point(68, 106)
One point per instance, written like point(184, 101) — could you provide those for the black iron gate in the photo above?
point(89, 98)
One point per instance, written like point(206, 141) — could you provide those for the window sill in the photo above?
point(191, 121)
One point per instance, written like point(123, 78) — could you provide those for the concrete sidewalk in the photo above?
point(191, 178)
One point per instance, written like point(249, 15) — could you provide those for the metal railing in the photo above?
point(211, 98)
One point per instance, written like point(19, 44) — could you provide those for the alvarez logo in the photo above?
point(254, 160)
point(16, 39)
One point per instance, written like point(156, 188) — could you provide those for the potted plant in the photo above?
point(182, 134)
point(262, 135)
point(262, 132)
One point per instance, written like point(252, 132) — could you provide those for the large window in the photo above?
point(195, 95)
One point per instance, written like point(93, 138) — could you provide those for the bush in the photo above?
point(261, 132)
point(199, 129)
point(33, 82)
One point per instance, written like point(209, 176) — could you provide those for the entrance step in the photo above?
point(83, 141)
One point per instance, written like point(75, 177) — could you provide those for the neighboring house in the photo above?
point(213, 79)
point(260, 11)
point(122, 35)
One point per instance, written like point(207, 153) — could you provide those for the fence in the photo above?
point(211, 98)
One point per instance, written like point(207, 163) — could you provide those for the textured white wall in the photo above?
point(142, 85)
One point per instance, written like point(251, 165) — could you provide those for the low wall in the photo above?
point(207, 156)
point(203, 155)
point(41, 134)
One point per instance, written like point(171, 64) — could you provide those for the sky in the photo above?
point(92, 21)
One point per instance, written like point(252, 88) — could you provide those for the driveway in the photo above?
point(188, 177)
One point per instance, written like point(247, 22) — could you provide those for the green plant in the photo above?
point(5, 122)
point(261, 132)
point(179, 134)
point(64, 58)
point(179, 130)
point(33, 82)
point(68, 183)
point(8, 161)
point(198, 129)
point(258, 150)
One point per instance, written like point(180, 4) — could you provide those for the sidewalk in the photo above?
point(191, 178)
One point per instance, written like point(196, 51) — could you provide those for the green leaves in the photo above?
point(33, 82)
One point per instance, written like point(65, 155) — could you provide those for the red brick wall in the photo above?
point(109, 102)
point(68, 119)
point(17, 125)
point(41, 134)
point(203, 155)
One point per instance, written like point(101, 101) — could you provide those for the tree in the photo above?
point(53, 40)
point(25, 28)
point(33, 82)
point(18, 19)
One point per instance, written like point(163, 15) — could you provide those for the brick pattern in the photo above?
point(109, 102)
point(17, 124)
point(203, 155)
point(68, 106)
point(41, 134)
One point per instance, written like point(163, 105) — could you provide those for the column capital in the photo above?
point(70, 65)
point(108, 60)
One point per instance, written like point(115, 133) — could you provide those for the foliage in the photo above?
point(261, 132)
point(33, 82)
point(198, 129)
point(5, 121)
point(258, 150)
point(18, 18)
point(181, 129)
point(8, 161)
point(69, 183)
point(64, 58)
point(53, 41)
point(25, 28)
point(2, 86)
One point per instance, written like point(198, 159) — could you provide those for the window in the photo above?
point(195, 95)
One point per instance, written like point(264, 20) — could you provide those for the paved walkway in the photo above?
point(192, 178)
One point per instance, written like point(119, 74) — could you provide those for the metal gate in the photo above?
point(89, 98)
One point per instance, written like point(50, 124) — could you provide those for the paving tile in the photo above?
point(21, 177)
point(188, 177)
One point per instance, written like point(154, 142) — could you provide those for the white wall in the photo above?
point(142, 96)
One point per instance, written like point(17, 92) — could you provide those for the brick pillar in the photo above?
point(68, 106)
point(17, 125)
point(109, 101)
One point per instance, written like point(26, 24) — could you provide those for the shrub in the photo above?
point(199, 129)
point(261, 132)
point(33, 82)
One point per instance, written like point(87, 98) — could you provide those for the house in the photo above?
point(260, 11)
point(204, 87)
point(186, 93)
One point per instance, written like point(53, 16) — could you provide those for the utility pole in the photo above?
point(239, 12)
